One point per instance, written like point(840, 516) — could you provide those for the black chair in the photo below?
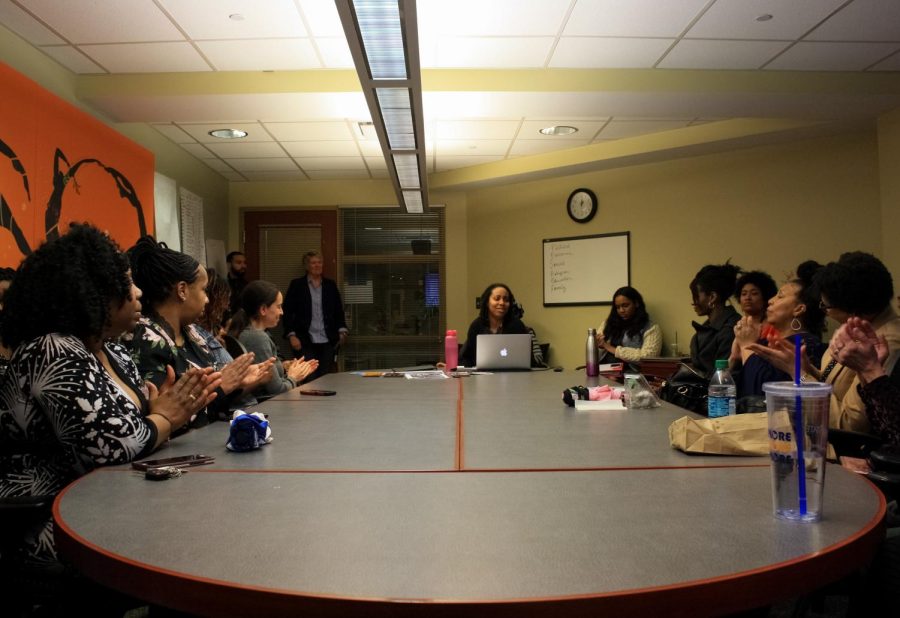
point(233, 346)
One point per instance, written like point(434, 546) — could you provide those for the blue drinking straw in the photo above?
point(799, 429)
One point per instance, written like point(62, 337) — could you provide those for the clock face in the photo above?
point(582, 205)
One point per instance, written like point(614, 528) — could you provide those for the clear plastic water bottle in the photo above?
point(722, 391)
point(591, 357)
point(451, 350)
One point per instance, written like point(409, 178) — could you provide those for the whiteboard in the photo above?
point(586, 270)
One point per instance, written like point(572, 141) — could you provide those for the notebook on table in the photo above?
point(503, 352)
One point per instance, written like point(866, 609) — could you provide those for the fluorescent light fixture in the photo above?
point(384, 42)
point(382, 37)
point(413, 202)
point(228, 133)
point(559, 130)
point(407, 170)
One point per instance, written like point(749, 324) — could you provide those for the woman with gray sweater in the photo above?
point(260, 310)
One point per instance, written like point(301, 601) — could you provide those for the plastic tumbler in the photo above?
point(798, 440)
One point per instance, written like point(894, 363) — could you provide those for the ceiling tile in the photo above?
point(471, 147)
point(862, 20)
point(327, 148)
point(26, 26)
point(493, 18)
point(888, 64)
point(337, 174)
point(370, 148)
point(736, 19)
point(335, 52)
point(210, 19)
point(376, 163)
point(450, 162)
point(322, 18)
point(531, 129)
point(740, 55)
point(500, 52)
point(379, 173)
point(301, 131)
point(72, 59)
point(200, 131)
point(294, 174)
point(218, 164)
point(832, 56)
point(330, 163)
point(634, 18)
point(608, 53)
point(174, 133)
point(618, 129)
point(261, 54)
point(233, 176)
point(538, 146)
point(90, 21)
point(263, 165)
point(199, 150)
point(476, 129)
point(147, 57)
point(242, 149)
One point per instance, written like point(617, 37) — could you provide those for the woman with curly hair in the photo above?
point(72, 399)
point(174, 286)
point(857, 285)
point(261, 309)
point(210, 323)
point(710, 291)
point(628, 334)
point(794, 310)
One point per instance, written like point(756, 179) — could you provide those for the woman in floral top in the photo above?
point(72, 399)
point(174, 286)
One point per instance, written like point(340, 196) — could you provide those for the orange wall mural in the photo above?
point(58, 165)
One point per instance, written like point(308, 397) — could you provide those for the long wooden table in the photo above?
point(477, 495)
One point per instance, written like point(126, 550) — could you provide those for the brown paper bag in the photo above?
point(742, 434)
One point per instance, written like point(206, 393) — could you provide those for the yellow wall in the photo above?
point(765, 208)
point(889, 173)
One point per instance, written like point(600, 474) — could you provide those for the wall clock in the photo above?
point(582, 205)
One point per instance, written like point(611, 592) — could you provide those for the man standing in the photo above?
point(314, 315)
point(237, 269)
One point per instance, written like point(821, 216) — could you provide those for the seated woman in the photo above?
point(857, 346)
point(73, 400)
point(209, 324)
point(499, 314)
point(261, 309)
point(628, 334)
point(753, 291)
point(174, 286)
point(794, 310)
point(857, 285)
point(710, 290)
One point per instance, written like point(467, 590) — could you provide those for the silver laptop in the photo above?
point(509, 352)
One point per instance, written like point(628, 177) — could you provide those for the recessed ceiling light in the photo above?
point(228, 133)
point(765, 17)
point(559, 130)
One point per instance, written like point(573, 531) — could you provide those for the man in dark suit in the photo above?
point(314, 315)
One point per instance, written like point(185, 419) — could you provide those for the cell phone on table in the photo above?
point(185, 461)
point(318, 392)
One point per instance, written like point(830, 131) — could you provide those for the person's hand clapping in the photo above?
point(177, 401)
point(234, 373)
point(856, 345)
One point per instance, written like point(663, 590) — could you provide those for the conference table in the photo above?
point(477, 495)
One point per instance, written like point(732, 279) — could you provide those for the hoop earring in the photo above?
point(796, 325)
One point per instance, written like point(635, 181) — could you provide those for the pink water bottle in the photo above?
point(451, 350)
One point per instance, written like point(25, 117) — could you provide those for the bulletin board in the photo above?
point(586, 270)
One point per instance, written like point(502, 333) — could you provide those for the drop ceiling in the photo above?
point(634, 76)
